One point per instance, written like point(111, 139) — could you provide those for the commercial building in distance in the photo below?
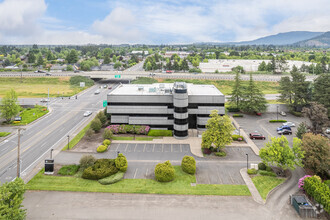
point(176, 107)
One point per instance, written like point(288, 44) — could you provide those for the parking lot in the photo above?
point(261, 124)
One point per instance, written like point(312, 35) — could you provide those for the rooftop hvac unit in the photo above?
point(140, 88)
point(162, 86)
point(152, 89)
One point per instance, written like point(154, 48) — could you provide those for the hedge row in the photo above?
point(233, 109)
point(102, 168)
point(252, 171)
point(266, 173)
point(298, 114)
point(237, 115)
point(130, 129)
point(112, 179)
point(318, 190)
point(274, 121)
point(157, 133)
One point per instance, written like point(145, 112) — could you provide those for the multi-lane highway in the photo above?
point(37, 140)
point(135, 72)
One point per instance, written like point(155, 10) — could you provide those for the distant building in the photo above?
point(140, 52)
point(168, 106)
point(181, 54)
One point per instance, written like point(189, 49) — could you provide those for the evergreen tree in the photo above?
point(176, 66)
point(301, 130)
point(114, 58)
point(322, 90)
point(262, 66)
point(300, 89)
point(184, 65)
point(253, 98)
point(31, 58)
point(106, 60)
point(72, 57)
point(237, 92)
point(40, 61)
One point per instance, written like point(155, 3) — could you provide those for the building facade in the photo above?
point(176, 107)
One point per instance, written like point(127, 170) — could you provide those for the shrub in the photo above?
point(235, 137)
point(101, 169)
point(318, 190)
point(220, 154)
point(107, 134)
point(188, 164)
point(262, 166)
point(164, 172)
point(87, 161)
point(252, 171)
point(157, 133)
point(206, 151)
point(267, 173)
point(123, 129)
point(301, 181)
point(297, 114)
point(112, 179)
point(68, 170)
point(106, 142)
point(75, 80)
point(101, 149)
point(274, 121)
point(327, 182)
point(96, 125)
point(102, 117)
point(237, 115)
point(121, 162)
point(233, 109)
point(269, 169)
point(89, 133)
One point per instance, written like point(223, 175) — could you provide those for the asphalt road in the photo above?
point(45, 134)
point(135, 71)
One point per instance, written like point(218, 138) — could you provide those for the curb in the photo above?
point(254, 193)
point(277, 187)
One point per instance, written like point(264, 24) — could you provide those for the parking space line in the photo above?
point(144, 148)
point(135, 147)
point(232, 180)
point(135, 173)
point(117, 147)
point(219, 176)
point(171, 147)
point(153, 148)
point(162, 148)
point(147, 172)
point(126, 147)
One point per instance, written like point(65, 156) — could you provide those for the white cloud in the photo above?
point(19, 17)
point(118, 27)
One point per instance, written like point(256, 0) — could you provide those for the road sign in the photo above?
point(105, 103)
point(117, 76)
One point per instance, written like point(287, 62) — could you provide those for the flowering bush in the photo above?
point(132, 129)
point(301, 181)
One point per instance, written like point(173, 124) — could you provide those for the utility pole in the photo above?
point(18, 152)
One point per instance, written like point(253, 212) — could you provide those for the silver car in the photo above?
point(87, 113)
point(290, 124)
point(97, 92)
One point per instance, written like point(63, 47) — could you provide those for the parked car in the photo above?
point(40, 71)
point(109, 87)
point(284, 127)
point(18, 118)
point(87, 113)
point(105, 86)
point(283, 113)
point(44, 100)
point(48, 74)
point(169, 71)
point(256, 135)
point(97, 92)
point(290, 124)
point(284, 131)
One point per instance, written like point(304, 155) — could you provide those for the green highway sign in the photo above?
point(117, 76)
point(105, 103)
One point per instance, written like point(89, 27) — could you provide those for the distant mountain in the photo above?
point(283, 38)
point(322, 40)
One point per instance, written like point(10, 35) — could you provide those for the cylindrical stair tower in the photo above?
point(180, 103)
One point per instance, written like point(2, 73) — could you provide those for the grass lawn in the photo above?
point(30, 114)
point(225, 86)
point(4, 134)
point(77, 138)
point(38, 87)
point(266, 183)
point(181, 185)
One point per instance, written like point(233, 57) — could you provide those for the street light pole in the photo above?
point(68, 142)
point(247, 161)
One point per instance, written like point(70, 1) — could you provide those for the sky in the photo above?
point(155, 22)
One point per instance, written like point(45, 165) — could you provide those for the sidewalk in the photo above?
point(254, 192)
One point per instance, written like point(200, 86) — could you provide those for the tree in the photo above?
point(117, 65)
point(184, 65)
point(321, 92)
point(69, 68)
point(262, 66)
point(317, 153)
point(301, 130)
point(31, 58)
point(286, 90)
point(238, 69)
point(237, 92)
point(318, 115)
point(72, 57)
point(11, 198)
point(218, 131)
point(176, 66)
point(278, 153)
point(114, 58)
point(253, 98)
point(96, 125)
point(9, 106)
point(106, 60)
point(40, 61)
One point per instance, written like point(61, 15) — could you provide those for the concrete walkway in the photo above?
point(254, 192)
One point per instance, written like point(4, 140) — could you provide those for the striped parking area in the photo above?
point(150, 148)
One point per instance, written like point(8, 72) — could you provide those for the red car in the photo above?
point(169, 71)
point(257, 136)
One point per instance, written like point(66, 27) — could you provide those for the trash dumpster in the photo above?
point(49, 166)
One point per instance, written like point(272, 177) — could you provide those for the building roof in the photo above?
point(163, 89)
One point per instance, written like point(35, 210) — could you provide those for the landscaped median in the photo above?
point(180, 185)
point(77, 138)
point(265, 184)
point(4, 134)
point(29, 115)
